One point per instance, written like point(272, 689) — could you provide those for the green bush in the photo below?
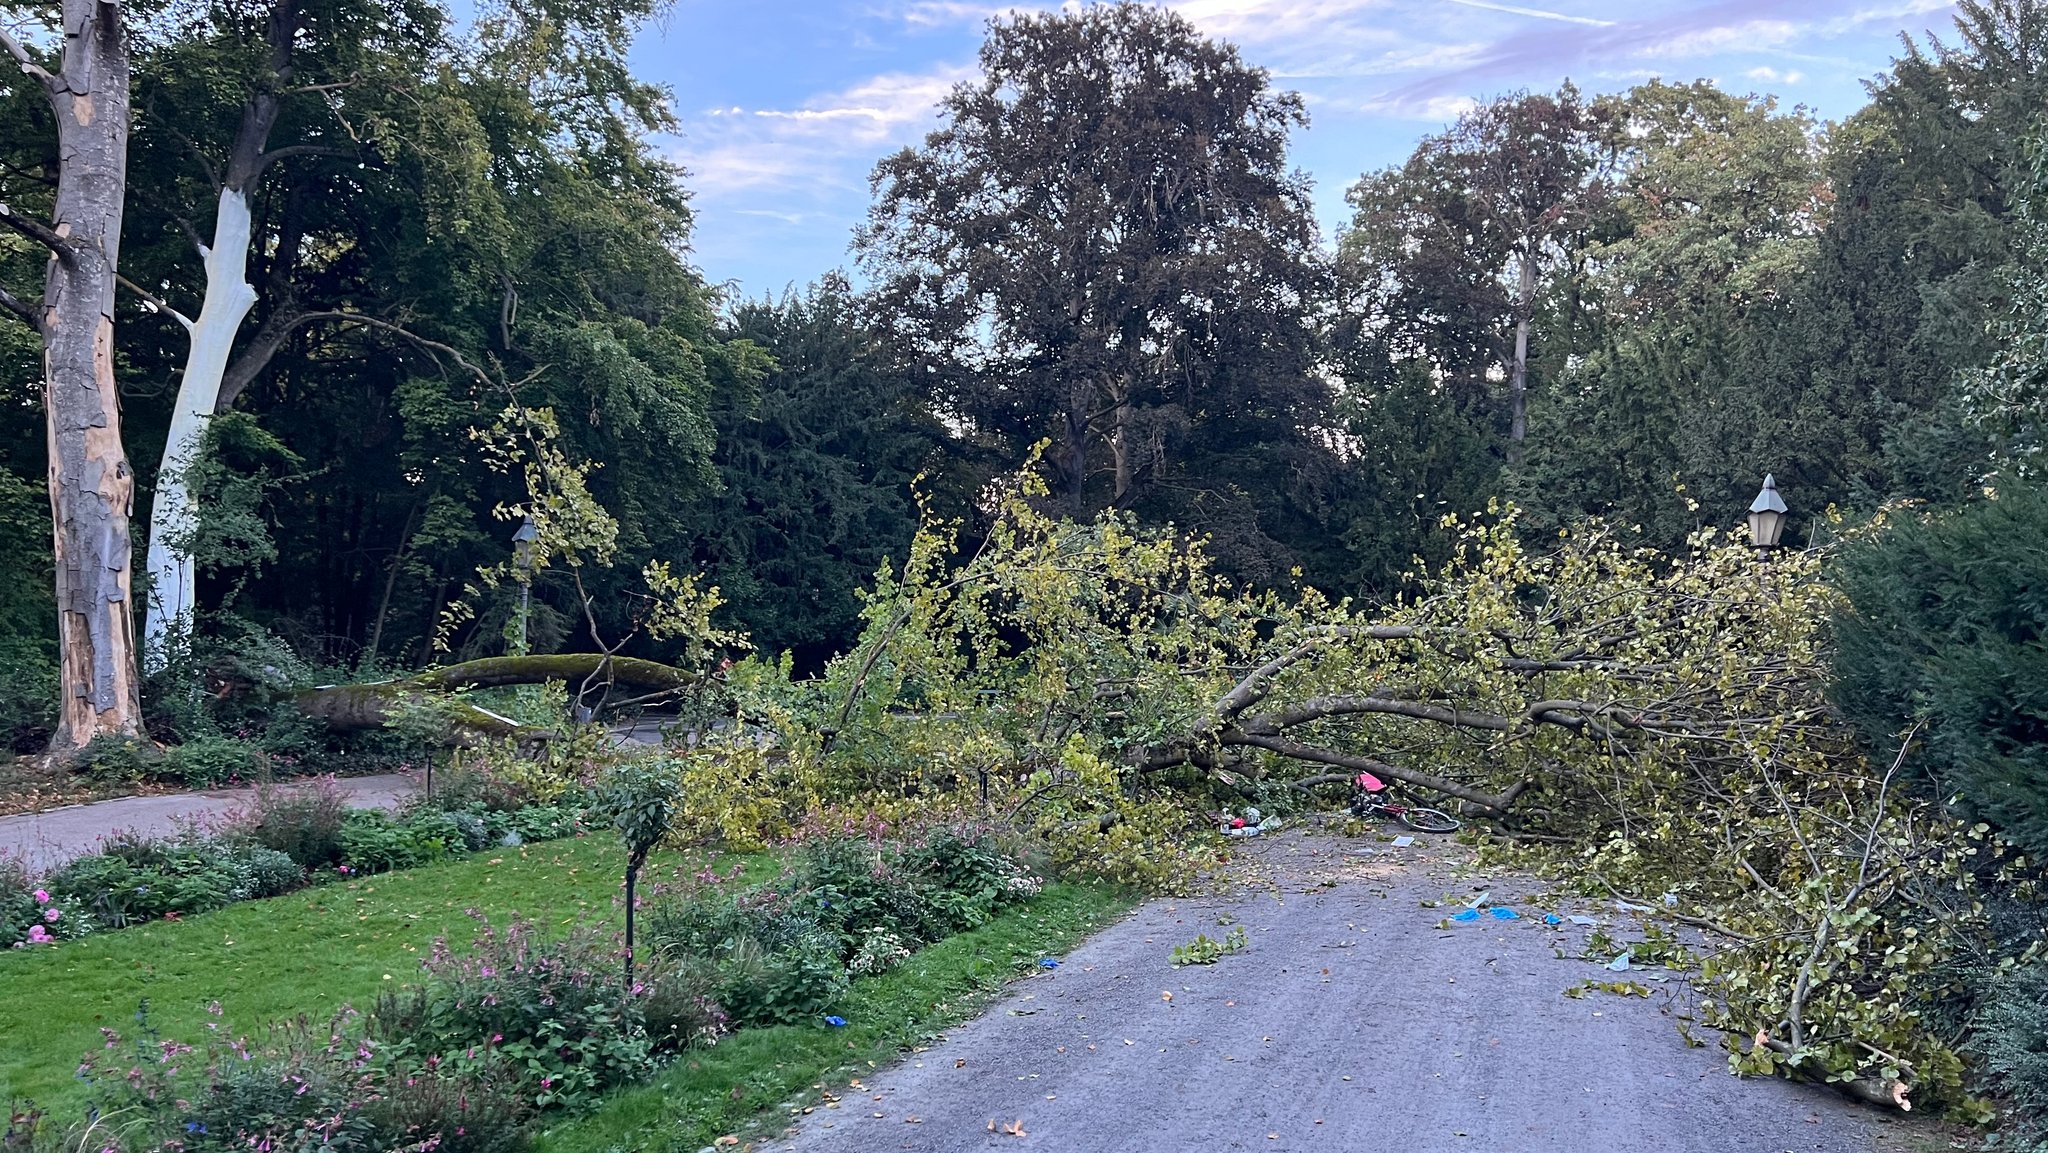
point(556, 1014)
point(136, 879)
point(28, 709)
point(1947, 629)
point(374, 843)
point(205, 761)
point(2011, 1049)
point(304, 822)
point(117, 760)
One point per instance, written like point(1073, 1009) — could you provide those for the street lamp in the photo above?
point(522, 554)
point(1767, 517)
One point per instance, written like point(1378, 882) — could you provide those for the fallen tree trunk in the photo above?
point(1882, 1092)
point(367, 706)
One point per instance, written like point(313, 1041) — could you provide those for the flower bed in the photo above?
point(286, 840)
point(520, 1027)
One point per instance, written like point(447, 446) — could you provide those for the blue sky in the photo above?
point(787, 105)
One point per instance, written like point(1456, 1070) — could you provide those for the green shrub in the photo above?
point(555, 1013)
point(784, 984)
point(679, 1003)
point(1947, 629)
point(117, 760)
point(2011, 1049)
point(374, 843)
point(304, 821)
point(26, 908)
point(28, 709)
point(205, 761)
point(135, 879)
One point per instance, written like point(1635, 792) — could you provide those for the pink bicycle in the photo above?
point(1370, 799)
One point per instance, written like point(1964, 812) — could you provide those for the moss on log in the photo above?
point(365, 706)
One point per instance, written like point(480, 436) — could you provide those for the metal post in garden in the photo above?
point(522, 552)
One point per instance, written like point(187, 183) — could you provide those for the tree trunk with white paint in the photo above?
point(173, 595)
point(92, 488)
point(173, 592)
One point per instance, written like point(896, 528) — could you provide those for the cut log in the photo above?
point(1883, 1092)
point(366, 706)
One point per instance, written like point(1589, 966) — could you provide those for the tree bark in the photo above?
point(1518, 374)
point(92, 488)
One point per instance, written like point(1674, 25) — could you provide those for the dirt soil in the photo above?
point(1351, 1022)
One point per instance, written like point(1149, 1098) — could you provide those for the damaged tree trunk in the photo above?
point(367, 706)
point(92, 488)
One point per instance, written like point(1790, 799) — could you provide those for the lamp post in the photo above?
point(522, 553)
point(1767, 517)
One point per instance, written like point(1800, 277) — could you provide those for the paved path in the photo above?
point(1352, 1024)
point(48, 839)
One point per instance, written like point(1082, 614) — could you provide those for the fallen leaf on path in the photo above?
point(728, 1139)
point(1165, 996)
point(1015, 1128)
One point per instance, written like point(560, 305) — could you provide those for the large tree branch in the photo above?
point(1319, 708)
point(367, 706)
point(22, 309)
point(155, 302)
point(37, 231)
point(26, 62)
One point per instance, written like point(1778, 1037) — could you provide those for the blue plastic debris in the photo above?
point(1552, 919)
point(1465, 915)
point(1048, 963)
point(836, 1022)
point(1504, 914)
point(1619, 964)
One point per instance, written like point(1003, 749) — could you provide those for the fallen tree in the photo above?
point(369, 705)
point(1656, 722)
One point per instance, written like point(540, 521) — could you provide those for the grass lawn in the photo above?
point(309, 952)
point(747, 1077)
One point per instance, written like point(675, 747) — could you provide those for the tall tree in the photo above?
point(816, 463)
point(1472, 229)
point(1691, 387)
point(1105, 240)
point(301, 69)
point(1925, 180)
point(91, 486)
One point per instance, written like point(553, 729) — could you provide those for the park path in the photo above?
point(47, 839)
point(1351, 1024)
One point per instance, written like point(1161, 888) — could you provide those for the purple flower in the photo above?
point(52, 916)
point(42, 897)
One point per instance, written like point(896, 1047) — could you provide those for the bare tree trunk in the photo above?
point(1518, 374)
point(1120, 445)
point(173, 589)
point(92, 489)
point(173, 594)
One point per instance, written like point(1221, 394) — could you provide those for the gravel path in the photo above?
point(48, 839)
point(1352, 1023)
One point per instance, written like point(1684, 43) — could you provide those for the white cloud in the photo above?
point(827, 143)
point(1770, 75)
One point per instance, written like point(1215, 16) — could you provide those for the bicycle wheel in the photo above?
point(1429, 820)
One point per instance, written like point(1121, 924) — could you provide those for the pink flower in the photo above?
point(52, 916)
point(42, 897)
point(36, 935)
